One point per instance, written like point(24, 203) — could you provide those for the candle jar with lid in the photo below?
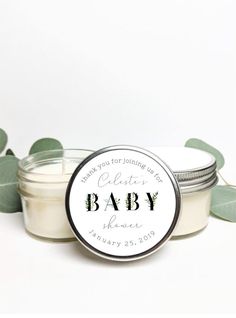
point(195, 171)
point(43, 179)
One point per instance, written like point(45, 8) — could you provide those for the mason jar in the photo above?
point(43, 179)
point(195, 171)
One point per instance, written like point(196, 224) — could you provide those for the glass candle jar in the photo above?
point(43, 179)
point(195, 171)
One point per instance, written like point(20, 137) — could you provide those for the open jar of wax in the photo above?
point(43, 179)
point(195, 171)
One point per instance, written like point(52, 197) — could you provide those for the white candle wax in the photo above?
point(42, 186)
point(45, 213)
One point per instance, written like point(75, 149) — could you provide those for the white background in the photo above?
point(97, 73)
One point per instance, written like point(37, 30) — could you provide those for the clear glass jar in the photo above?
point(43, 179)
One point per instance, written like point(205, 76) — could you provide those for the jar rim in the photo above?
point(201, 186)
point(47, 156)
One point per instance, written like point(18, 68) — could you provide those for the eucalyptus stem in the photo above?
point(225, 181)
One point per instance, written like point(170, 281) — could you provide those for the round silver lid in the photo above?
point(194, 169)
point(123, 203)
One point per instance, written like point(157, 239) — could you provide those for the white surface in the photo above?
point(193, 275)
point(97, 73)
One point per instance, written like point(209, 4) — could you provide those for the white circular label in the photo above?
point(122, 202)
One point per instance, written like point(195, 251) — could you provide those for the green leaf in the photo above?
point(9, 152)
point(9, 197)
point(202, 145)
point(223, 203)
point(3, 140)
point(45, 144)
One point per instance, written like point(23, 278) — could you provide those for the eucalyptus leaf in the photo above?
point(202, 145)
point(223, 203)
point(9, 152)
point(3, 140)
point(45, 144)
point(9, 198)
